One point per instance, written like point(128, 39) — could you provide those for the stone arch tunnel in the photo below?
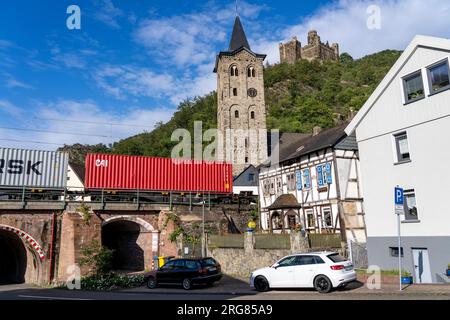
point(13, 261)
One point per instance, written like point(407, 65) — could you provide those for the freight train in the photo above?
point(43, 175)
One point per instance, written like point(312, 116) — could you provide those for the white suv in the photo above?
point(320, 270)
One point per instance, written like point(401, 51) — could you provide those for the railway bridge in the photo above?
point(41, 242)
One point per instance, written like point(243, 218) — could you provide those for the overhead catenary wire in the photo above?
point(31, 141)
point(61, 132)
point(96, 122)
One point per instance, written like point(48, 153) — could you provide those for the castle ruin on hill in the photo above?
point(292, 51)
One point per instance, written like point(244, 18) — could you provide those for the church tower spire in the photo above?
point(241, 110)
point(238, 37)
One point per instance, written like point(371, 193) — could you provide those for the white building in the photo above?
point(322, 172)
point(246, 182)
point(75, 182)
point(403, 134)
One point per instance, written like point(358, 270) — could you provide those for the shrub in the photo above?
point(97, 258)
point(111, 281)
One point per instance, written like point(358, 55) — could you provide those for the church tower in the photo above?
point(241, 110)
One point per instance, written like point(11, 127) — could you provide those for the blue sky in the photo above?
point(133, 61)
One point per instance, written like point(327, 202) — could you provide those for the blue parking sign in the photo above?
point(399, 199)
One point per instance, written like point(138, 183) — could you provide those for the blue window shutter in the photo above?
point(307, 179)
point(299, 179)
point(319, 175)
point(328, 169)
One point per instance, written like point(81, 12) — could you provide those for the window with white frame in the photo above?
point(402, 147)
point(310, 219)
point(324, 176)
point(439, 77)
point(327, 218)
point(279, 185)
point(272, 186)
point(411, 213)
point(413, 87)
point(266, 187)
point(306, 179)
point(291, 181)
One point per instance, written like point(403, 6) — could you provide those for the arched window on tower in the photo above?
point(234, 71)
point(236, 114)
point(252, 115)
point(251, 73)
point(235, 92)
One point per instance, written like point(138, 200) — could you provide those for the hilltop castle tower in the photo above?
point(241, 110)
point(292, 51)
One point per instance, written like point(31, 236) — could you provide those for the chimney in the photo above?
point(316, 130)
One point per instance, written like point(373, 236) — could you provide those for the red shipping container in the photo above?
point(118, 172)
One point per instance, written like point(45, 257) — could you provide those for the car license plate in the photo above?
point(348, 268)
point(213, 269)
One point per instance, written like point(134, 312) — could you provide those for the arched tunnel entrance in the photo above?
point(13, 259)
point(123, 237)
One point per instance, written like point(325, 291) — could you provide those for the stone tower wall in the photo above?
point(255, 149)
point(292, 51)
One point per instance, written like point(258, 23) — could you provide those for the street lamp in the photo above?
point(203, 225)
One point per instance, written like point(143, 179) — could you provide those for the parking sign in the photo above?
point(399, 201)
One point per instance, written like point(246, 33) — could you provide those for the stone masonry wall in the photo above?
point(241, 262)
point(38, 225)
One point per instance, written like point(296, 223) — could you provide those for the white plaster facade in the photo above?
point(426, 123)
point(75, 184)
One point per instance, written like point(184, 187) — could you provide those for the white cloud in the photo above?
point(12, 83)
point(191, 39)
point(345, 22)
point(186, 45)
point(268, 47)
point(10, 109)
point(122, 81)
point(70, 60)
point(83, 121)
point(108, 13)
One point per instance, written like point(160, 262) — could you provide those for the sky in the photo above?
point(133, 61)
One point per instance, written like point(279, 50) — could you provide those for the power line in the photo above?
point(95, 122)
point(31, 141)
point(61, 132)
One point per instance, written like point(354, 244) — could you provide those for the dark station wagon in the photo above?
point(186, 272)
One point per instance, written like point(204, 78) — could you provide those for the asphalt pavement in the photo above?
point(228, 289)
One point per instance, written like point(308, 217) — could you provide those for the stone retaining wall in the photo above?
point(241, 262)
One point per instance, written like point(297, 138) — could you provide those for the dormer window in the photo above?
point(413, 87)
point(234, 71)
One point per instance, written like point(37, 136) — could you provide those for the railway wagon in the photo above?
point(29, 174)
point(119, 172)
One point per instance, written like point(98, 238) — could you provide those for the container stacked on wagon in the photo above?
point(42, 175)
point(32, 174)
point(153, 179)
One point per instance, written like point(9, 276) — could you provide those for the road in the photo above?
point(228, 289)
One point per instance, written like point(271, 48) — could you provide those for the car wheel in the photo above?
point(322, 284)
point(187, 284)
point(151, 283)
point(261, 284)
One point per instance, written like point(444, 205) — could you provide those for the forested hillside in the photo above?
point(298, 97)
